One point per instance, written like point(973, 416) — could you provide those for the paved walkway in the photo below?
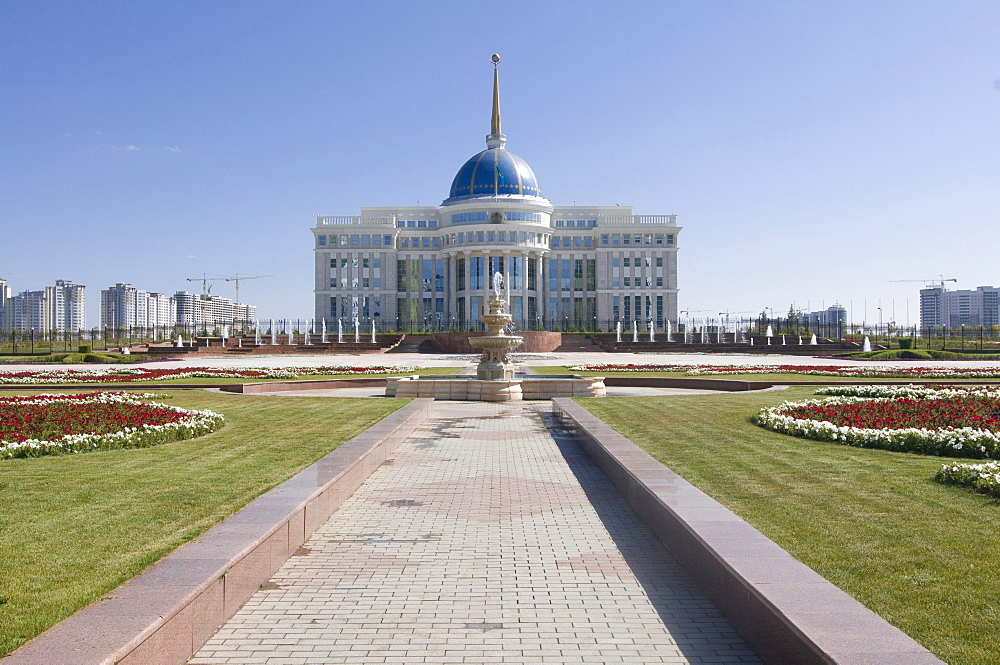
point(489, 538)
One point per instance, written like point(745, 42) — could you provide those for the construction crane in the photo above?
point(933, 282)
point(204, 279)
point(239, 278)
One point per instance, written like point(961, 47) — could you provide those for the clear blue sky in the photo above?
point(813, 151)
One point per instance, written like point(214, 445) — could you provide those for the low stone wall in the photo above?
point(165, 614)
point(787, 613)
point(537, 388)
point(534, 341)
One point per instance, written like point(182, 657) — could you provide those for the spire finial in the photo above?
point(496, 139)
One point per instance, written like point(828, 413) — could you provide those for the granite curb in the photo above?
point(163, 615)
point(787, 613)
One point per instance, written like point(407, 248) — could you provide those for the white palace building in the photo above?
point(430, 267)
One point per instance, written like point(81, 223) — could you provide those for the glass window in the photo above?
point(522, 237)
point(376, 240)
point(628, 281)
point(559, 222)
point(405, 242)
point(343, 263)
point(354, 262)
point(387, 240)
point(616, 239)
point(659, 261)
point(322, 240)
point(461, 238)
point(648, 239)
point(343, 240)
point(366, 241)
point(615, 262)
point(587, 241)
point(577, 241)
point(365, 262)
point(491, 236)
point(479, 236)
point(605, 239)
point(659, 281)
point(376, 262)
point(427, 242)
point(670, 239)
point(421, 223)
point(628, 240)
point(364, 283)
point(355, 240)
point(437, 242)
point(628, 261)
point(503, 236)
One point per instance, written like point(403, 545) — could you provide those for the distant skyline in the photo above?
point(813, 152)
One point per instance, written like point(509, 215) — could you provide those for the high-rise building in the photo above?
point(58, 308)
point(4, 298)
point(124, 306)
point(198, 310)
point(67, 306)
point(952, 309)
point(432, 267)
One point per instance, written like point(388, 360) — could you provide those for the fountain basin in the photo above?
point(471, 389)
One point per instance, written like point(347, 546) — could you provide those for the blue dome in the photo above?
point(494, 172)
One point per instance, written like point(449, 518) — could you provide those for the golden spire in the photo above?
point(495, 126)
point(496, 139)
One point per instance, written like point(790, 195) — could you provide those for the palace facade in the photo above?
point(431, 267)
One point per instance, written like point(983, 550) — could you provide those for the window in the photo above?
point(577, 241)
point(376, 262)
point(587, 241)
point(437, 242)
point(659, 239)
point(405, 242)
point(628, 261)
point(355, 240)
point(628, 240)
point(333, 263)
point(354, 262)
point(421, 223)
point(364, 282)
point(615, 262)
point(637, 239)
point(365, 263)
point(616, 239)
point(670, 239)
point(659, 281)
point(387, 240)
point(461, 238)
point(522, 237)
point(605, 239)
point(376, 240)
point(343, 263)
point(559, 222)
point(479, 236)
point(427, 242)
point(648, 240)
point(491, 236)
point(378, 282)
point(343, 240)
point(659, 261)
point(628, 281)
point(647, 261)
point(322, 240)
point(366, 241)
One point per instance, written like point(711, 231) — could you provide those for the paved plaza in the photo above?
point(490, 537)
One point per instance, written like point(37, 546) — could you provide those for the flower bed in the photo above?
point(36, 425)
point(952, 422)
point(983, 478)
point(133, 374)
point(814, 370)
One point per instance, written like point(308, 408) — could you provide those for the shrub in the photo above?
point(84, 348)
point(905, 342)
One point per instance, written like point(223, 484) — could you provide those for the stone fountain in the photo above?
point(495, 364)
point(495, 379)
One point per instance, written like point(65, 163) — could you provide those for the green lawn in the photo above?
point(75, 527)
point(767, 378)
point(921, 554)
point(302, 377)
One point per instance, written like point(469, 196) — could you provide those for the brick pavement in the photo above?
point(490, 537)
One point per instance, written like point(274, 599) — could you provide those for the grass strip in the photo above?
point(781, 378)
point(873, 522)
point(75, 527)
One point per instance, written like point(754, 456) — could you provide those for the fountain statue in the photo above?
point(322, 338)
point(357, 331)
point(340, 331)
point(652, 331)
point(618, 329)
point(495, 364)
point(495, 380)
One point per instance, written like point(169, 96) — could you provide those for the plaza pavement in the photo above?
point(489, 537)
